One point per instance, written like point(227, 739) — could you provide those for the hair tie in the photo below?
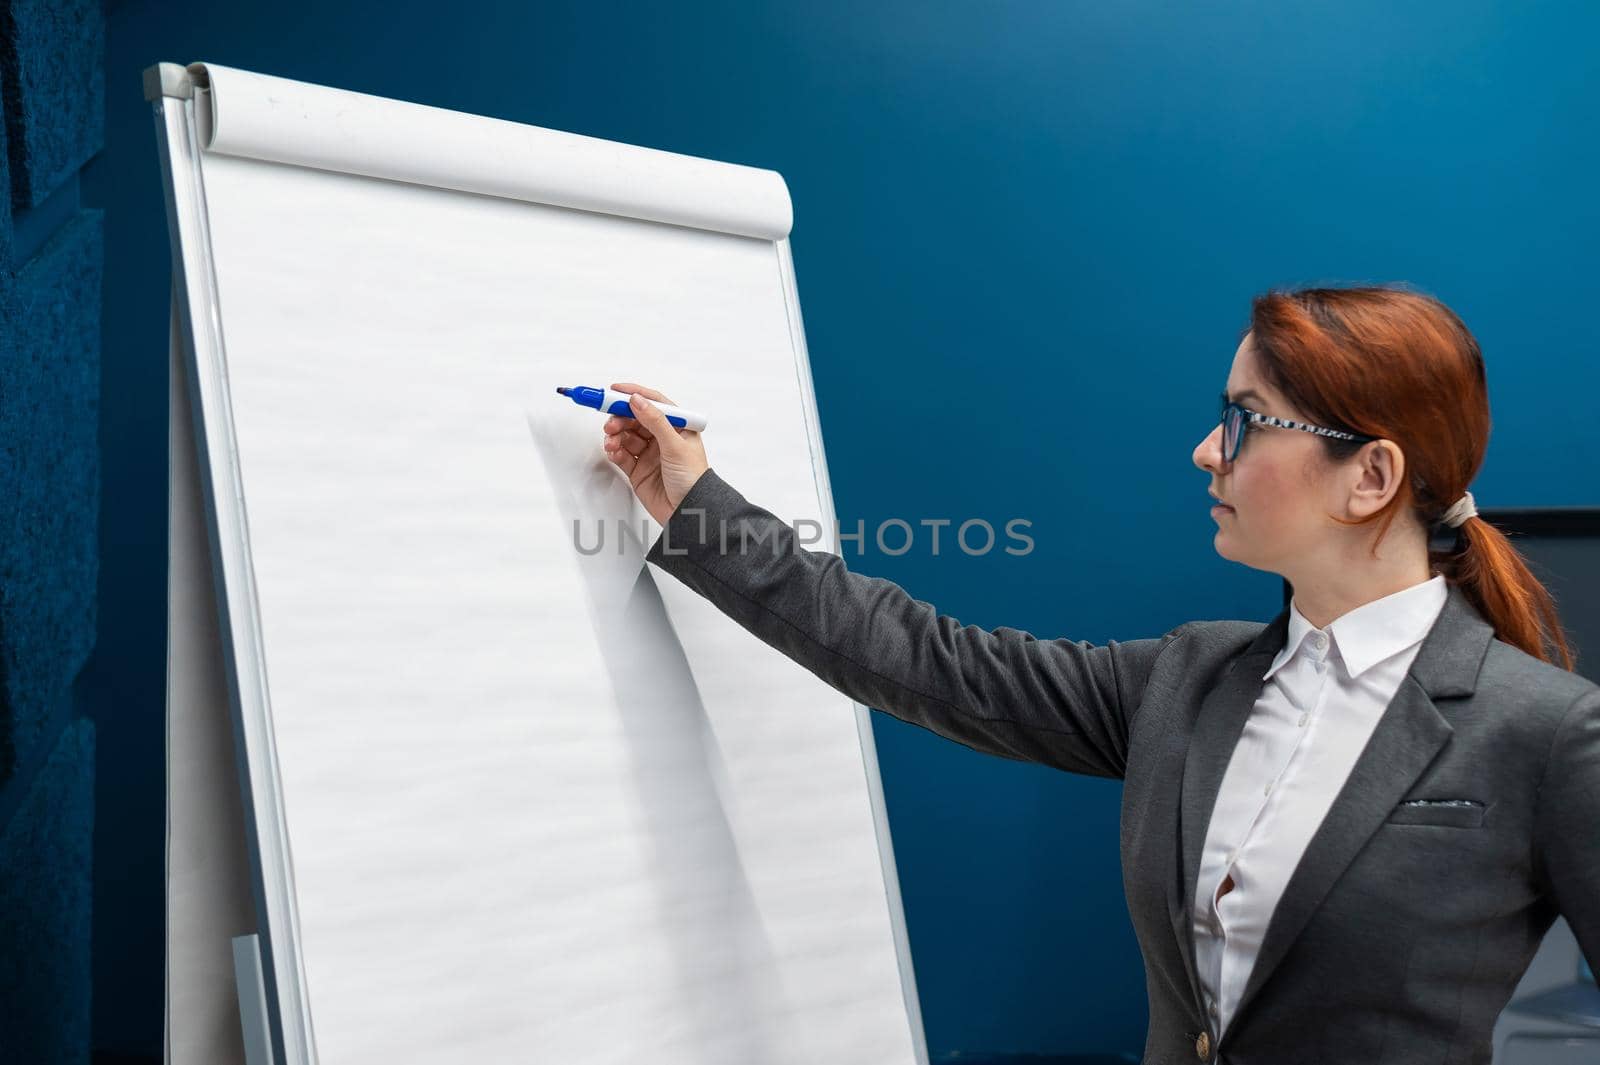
point(1461, 511)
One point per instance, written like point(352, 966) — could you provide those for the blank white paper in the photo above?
point(540, 805)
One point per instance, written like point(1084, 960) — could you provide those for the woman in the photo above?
point(1344, 833)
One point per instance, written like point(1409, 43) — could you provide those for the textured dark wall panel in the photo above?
point(45, 909)
point(5, 172)
point(53, 55)
point(51, 255)
point(49, 407)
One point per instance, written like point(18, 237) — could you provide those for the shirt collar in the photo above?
point(1373, 631)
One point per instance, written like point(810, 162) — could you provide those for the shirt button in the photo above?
point(1268, 789)
point(1318, 640)
point(1304, 718)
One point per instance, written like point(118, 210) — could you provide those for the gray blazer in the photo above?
point(1408, 921)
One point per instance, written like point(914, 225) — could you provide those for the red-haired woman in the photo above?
point(1344, 833)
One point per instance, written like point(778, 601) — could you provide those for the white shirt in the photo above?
point(1323, 696)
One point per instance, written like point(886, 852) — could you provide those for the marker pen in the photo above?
point(610, 401)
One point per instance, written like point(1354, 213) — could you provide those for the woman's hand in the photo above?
point(662, 461)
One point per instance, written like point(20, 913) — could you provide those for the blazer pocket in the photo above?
point(1451, 813)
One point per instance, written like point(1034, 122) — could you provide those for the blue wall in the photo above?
point(1075, 198)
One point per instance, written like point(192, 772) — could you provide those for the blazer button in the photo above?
point(1202, 1046)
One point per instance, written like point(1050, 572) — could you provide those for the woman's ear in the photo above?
point(1381, 469)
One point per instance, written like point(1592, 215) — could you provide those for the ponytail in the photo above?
point(1496, 580)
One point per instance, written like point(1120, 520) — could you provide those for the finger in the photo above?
point(633, 431)
point(645, 464)
point(628, 463)
point(630, 387)
point(633, 443)
point(651, 419)
point(618, 423)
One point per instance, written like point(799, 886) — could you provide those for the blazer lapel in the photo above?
point(1407, 738)
point(1221, 721)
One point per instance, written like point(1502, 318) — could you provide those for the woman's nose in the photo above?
point(1208, 456)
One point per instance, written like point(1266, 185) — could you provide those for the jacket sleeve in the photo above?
point(1566, 840)
point(1002, 691)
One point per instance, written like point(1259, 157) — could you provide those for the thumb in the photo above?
point(650, 416)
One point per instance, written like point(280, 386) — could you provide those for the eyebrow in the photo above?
point(1246, 393)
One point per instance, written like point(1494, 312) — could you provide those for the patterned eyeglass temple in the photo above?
point(1245, 415)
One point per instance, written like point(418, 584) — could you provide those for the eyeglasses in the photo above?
point(1235, 418)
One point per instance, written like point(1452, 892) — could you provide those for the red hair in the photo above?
point(1389, 362)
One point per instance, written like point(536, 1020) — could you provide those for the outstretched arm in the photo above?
point(1002, 691)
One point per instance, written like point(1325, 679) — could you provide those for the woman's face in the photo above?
point(1277, 491)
